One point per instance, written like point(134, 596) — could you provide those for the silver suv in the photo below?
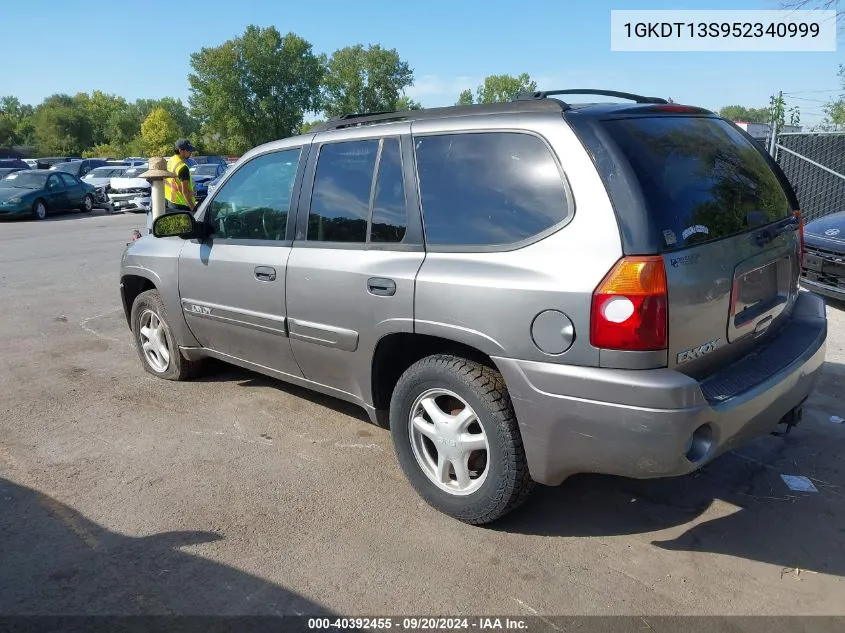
point(520, 291)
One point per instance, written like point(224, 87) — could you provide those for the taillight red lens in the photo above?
point(630, 306)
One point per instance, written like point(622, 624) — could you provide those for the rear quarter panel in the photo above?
point(490, 299)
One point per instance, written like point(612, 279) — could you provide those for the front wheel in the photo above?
point(154, 340)
point(457, 439)
point(88, 203)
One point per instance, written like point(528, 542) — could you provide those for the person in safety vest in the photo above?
point(179, 192)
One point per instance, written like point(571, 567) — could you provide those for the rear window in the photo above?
point(488, 188)
point(701, 179)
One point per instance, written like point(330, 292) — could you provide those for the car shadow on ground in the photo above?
point(739, 504)
point(218, 371)
point(54, 561)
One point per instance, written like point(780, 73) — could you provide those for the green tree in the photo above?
point(406, 103)
point(835, 110)
point(62, 126)
point(497, 89)
point(100, 107)
point(256, 87)
point(158, 132)
point(359, 79)
point(748, 115)
point(16, 127)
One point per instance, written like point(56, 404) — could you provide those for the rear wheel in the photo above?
point(39, 210)
point(457, 439)
point(88, 203)
point(154, 340)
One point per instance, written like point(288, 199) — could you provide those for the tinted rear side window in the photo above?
point(701, 179)
point(488, 188)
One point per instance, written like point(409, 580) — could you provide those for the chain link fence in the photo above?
point(814, 163)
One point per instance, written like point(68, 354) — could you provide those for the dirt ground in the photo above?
point(237, 494)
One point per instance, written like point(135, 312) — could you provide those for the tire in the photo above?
point(502, 481)
point(148, 312)
point(39, 209)
point(87, 203)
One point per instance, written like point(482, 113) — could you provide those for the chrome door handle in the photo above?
point(265, 273)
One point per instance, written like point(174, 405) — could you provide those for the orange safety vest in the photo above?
point(172, 192)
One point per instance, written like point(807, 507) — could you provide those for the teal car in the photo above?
point(37, 192)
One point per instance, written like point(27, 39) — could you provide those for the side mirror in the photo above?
point(179, 224)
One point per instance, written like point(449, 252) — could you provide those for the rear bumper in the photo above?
point(657, 423)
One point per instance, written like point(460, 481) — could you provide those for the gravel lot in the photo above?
point(236, 494)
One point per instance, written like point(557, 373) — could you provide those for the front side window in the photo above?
point(488, 188)
point(255, 202)
point(67, 180)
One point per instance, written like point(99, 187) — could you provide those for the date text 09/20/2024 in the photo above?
point(420, 624)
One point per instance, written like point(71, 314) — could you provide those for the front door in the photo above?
point(357, 252)
point(56, 193)
point(232, 284)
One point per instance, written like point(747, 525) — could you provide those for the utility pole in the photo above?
point(774, 124)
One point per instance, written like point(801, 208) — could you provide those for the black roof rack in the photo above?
point(545, 94)
point(368, 118)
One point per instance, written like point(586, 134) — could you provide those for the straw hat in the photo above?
point(157, 170)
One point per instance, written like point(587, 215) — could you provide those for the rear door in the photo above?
point(725, 222)
point(56, 193)
point(357, 252)
point(74, 190)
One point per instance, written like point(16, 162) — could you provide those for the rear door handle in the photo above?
point(381, 286)
point(265, 273)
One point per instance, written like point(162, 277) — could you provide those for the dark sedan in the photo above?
point(824, 256)
point(36, 192)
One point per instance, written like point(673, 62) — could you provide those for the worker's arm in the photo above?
point(187, 190)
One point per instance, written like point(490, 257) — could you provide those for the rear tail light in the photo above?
point(630, 306)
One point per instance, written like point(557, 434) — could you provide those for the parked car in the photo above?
point(520, 291)
point(208, 160)
point(79, 168)
point(202, 175)
point(37, 193)
point(103, 175)
point(5, 171)
point(823, 268)
point(49, 161)
point(128, 192)
point(13, 163)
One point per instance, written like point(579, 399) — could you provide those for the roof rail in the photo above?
point(545, 94)
point(371, 118)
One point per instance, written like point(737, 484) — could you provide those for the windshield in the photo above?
point(133, 172)
point(204, 170)
point(25, 180)
point(701, 179)
point(69, 168)
point(105, 172)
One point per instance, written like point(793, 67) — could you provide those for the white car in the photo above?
point(103, 175)
point(130, 193)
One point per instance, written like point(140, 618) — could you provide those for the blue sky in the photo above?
point(141, 49)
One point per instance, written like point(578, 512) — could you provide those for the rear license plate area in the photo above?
point(759, 296)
